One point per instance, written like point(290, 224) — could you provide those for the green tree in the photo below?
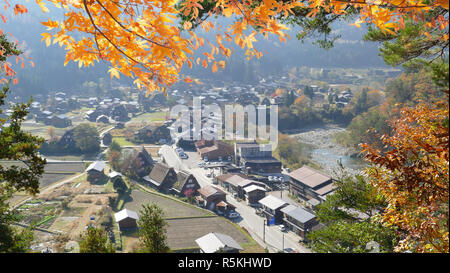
point(87, 138)
point(95, 240)
point(289, 99)
point(152, 229)
point(308, 92)
point(12, 240)
point(115, 146)
point(17, 145)
point(350, 216)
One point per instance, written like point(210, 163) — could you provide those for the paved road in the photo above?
point(103, 133)
point(171, 158)
point(272, 237)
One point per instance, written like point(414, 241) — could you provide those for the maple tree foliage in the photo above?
point(413, 176)
point(142, 39)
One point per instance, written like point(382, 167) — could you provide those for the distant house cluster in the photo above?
point(153, 134)
point(111, 110)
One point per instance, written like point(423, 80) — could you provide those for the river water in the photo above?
point(327, 152)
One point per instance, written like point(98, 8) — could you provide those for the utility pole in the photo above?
point(283, 242)
point(264, 231)
point(282, 190)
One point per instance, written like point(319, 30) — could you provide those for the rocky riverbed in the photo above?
point(326, 151)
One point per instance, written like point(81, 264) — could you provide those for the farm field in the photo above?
point(149, 117)
point(171, 208)
point(186, 223)
point(122, 141)
point(68, 208)
point(40, 129)
point(182, 233)
point(53, 171)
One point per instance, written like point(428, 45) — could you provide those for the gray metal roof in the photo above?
point(253, 188)
point(298, 214)
point(114, 174)
point(97, 165)
point(213, 242)
point(125, 213)
point(272, 202)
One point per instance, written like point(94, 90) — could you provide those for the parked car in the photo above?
point(200, 164)
point(233, 214)
point(282, 228)
point(208, 175)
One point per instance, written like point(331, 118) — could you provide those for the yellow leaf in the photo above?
point(114, 72)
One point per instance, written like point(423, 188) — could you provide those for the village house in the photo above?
point(113, 176)
point(215, 150)
point(119, 113)
point(126, 219)
point(44, 117)
point(67, 141)
point(144, 162)
point(95, 171)
point(153, 134)
point(103, 119)
point(60, 121)
point(308, 183)
point(213, 199)
point(217, 242)
point(253, 194)
point(92, 115)
point(162, 177)
point(254, 159)
point(298, 220)
point(107, 139)
point(35, 107)
point(186, 185)
point(271, 208)
point(235, 183)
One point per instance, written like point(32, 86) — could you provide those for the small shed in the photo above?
point(126, 219)
point(95, 171)
point(217, 242)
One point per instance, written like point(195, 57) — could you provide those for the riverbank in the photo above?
point(325, 151)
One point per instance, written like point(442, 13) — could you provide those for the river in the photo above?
point(326, 152)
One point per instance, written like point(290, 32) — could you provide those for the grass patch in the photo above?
point(149, 117)
point(46, 220)
point(122, 141)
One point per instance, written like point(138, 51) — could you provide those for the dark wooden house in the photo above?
point(186, 185)
point(162, 177)
point(126, 219)
point(96, 171)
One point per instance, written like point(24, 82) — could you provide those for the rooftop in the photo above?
point(272, 202)
point(253, 188)
point(210, 190)
point(309, 176)
point(298, 213)
point(125, 213)
point(213, 242)
point(97, 165)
